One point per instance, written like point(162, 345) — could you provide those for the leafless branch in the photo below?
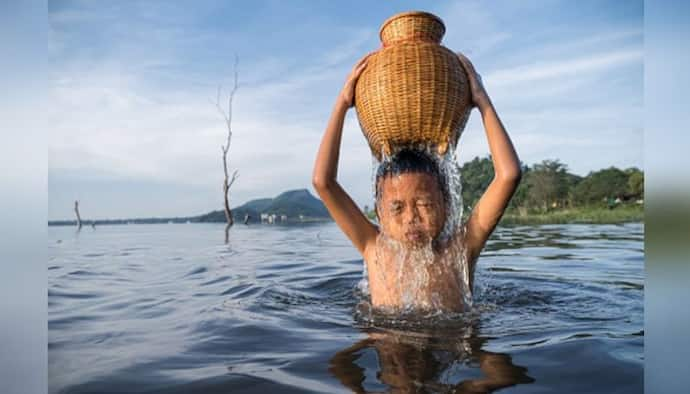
point(235, 175)
point(227, 116)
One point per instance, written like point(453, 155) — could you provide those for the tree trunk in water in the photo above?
point(228, 212)
point(227, 183)
point(76, 210)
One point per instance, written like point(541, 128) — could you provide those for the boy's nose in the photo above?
point(412, 215)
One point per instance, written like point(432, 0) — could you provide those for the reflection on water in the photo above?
point(173, 309)
point(429, 361)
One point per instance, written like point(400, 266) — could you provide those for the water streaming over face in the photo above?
point(431, 278)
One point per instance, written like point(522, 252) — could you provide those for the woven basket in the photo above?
point(414, 91)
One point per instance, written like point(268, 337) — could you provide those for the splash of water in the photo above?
point(432, 279)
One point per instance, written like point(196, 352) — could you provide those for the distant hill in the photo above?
point(292, 204)
point(297, 202)
point(258, 205)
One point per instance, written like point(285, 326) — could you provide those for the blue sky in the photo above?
point(134, 133)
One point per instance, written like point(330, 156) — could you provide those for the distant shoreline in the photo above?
point(620, 214)
point(195, 220)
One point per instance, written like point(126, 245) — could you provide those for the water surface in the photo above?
point(172, 309)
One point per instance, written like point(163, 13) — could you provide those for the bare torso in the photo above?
point(420, 279)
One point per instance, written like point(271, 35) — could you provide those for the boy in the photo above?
point(411, 208)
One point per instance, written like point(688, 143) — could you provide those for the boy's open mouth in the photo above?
point(414, 235)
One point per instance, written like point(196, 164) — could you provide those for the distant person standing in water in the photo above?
point(412, 202)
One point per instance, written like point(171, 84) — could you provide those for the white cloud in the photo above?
point(542, 70)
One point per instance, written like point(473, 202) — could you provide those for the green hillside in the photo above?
point(292, 203)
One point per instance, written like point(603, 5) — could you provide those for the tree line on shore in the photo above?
point(548, 186)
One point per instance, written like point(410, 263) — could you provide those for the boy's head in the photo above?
point(411, 197)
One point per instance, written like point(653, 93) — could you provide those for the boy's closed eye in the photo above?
point(424, 203)
point(396, 207)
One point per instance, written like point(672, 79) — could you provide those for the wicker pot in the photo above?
point(414, 91)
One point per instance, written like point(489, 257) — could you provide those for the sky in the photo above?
point(135, 132)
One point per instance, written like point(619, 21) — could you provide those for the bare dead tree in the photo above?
point(227, 116)
point(76, 210)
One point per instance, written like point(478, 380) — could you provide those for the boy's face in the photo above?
point(411, 207)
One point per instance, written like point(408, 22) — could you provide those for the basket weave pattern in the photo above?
point(414, 91)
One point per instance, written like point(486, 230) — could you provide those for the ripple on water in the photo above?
point(66, 294)
point(281, 298)
point(83, 273)
point(219, 279)
point(196, 271)
point(93, 255)
point(240, 291)
point(508, 296)
point(625, 285)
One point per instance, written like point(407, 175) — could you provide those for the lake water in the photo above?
point(173, 309)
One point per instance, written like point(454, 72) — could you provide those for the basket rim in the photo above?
point(410, 13)
point(421, 43)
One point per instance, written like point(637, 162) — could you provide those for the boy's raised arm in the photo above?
point(344, 211)
point(507, 173)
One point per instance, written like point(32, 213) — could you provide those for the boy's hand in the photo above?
point(347, 95)
point(479, 96)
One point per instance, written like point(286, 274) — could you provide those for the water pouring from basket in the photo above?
point(414, 91)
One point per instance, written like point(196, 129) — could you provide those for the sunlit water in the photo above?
point(171, 308)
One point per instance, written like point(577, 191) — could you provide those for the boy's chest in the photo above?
point(399, 280)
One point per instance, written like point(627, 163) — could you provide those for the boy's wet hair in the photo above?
point(409, 160)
